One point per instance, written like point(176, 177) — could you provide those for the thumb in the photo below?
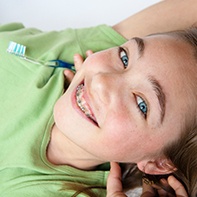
point(177, 186)
point(114, 184)
point(78, 61)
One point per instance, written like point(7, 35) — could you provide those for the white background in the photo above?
point(60, 14)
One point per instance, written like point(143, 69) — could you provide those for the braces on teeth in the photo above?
point(82, 104)
point(79, 100)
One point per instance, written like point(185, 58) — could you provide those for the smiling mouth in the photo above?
point(83, 105)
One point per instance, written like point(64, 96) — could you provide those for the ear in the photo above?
point(158, 166)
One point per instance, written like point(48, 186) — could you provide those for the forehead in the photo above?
point(167, 52)
point(163, 46)
point(178, 70)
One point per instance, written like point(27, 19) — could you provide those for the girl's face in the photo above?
point(128, 102)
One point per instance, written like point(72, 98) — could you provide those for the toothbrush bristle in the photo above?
point(17, 49)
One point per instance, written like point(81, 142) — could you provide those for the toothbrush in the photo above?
point(19, 50)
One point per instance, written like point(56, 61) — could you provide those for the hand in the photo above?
point(78, 61)
point(150, 190)
point(114, 184)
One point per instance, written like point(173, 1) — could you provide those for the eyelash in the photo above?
point(123, 56)
point(140, 100)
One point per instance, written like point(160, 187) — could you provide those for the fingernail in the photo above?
point(75, 57)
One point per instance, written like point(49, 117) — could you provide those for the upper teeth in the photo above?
point(82, 102)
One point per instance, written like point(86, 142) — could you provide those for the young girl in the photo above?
point(175, 156)
point(118, 98)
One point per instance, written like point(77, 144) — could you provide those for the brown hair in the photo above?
point(183, 152)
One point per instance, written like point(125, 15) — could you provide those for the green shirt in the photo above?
point(28, 93)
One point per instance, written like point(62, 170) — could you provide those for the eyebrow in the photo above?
point(140, 45)
point(160, 96)
point(155, 83)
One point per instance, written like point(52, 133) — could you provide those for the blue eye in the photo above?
point(124, 58)
point(142, 105)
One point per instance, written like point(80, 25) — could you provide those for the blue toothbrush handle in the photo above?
point(61, 64)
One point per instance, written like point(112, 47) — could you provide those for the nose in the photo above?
point(107, 87)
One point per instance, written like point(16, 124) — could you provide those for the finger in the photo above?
point(177, 186)
point(165, 188)
point(147, 194)
point(69, 75)
point(162, 193)
point(78, 61)
point(147, 190)
point(89, 52)
point(114, 184)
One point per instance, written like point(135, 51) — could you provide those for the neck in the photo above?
point(62, 151)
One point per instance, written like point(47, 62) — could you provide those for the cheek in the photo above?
point(121, 130)
point(123, 145)
point(123, 135)
point(59, 113)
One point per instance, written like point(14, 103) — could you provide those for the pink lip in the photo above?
point(76, 107)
